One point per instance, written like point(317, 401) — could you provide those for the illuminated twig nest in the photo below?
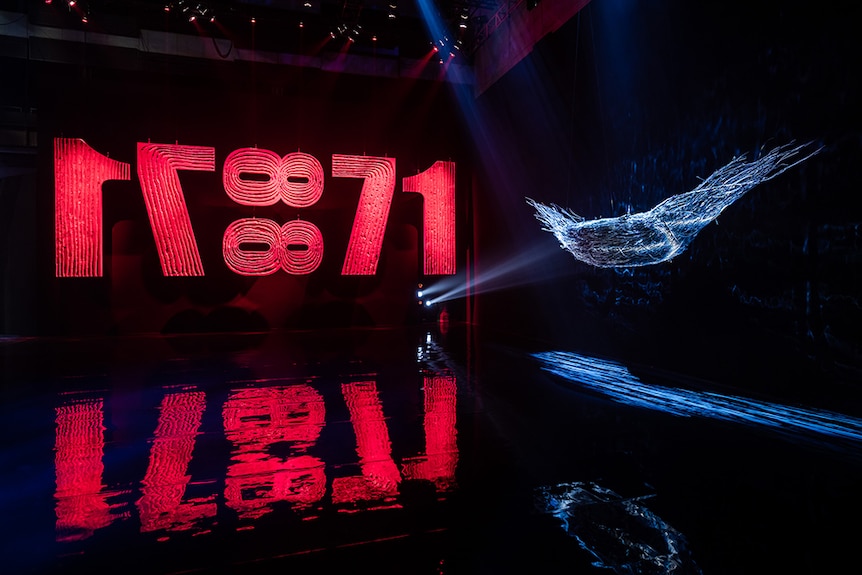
point(665, 231)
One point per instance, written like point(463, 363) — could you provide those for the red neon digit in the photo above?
point(380, 476)
point(163, 194)
point(252, 231)
point(256, 420)
point(247, 191)
point(437, 186)
point(307, 235)
point(296, 179)
point(441, 446)
point(301, 180)
point(79, 172)
point(369, 225)
point(296, 247)
point(82, 505)
point(161, 505)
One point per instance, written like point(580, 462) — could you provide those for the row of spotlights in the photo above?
point(200, 10)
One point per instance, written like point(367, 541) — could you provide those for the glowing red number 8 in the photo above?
point(296, 179)
point(296, 247)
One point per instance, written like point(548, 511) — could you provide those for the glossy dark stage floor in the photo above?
point(406, 451)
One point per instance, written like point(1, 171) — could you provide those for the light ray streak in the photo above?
point(665, 231)
point(518, 270)
point(614, 381)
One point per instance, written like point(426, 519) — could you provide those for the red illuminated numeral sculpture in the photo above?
point(163, 194)
point(372, 212)
point(79, 172)
point(295, 247)
point(251, 177)
point(296, 179)
point(437, 186)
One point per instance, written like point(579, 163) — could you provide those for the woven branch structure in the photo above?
point(658, 235)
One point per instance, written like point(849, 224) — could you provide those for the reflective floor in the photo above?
point(431, 449)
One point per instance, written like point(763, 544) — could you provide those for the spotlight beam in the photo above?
point(518, 270)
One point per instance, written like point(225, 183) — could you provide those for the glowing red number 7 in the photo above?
point(366, 237)
point(166, 206)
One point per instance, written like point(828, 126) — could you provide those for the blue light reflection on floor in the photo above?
point(616, 382)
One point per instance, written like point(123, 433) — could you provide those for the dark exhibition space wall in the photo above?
point(632, 102)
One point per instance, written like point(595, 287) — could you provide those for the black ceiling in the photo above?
point(382, 27)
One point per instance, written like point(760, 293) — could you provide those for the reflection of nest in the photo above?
point(666, 230)
point(620, 533)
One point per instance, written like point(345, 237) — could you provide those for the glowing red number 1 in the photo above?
point(437, 186)
point(169, 216)
point(79, 172)
point(366, 237)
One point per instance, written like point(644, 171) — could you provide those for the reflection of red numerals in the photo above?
point(161, 505)
point(380, 477)
point(260, 421)
point(82, 505)
point(441, 447)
